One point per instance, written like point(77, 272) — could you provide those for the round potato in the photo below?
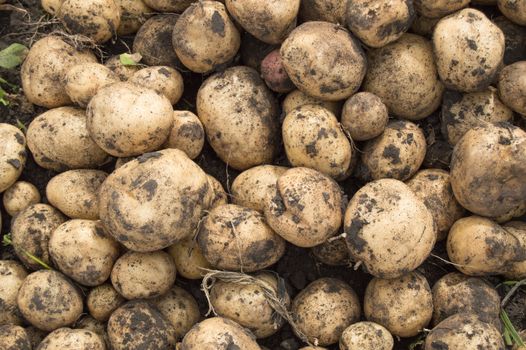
point(469, 50)
point(305, 208)
point(19, 196)
point(169, 5)
point(516, 270)
point(188, 134)
point(323, 60)
point(240, 116)
point(297, 98)
point(274, 74)
point(12, 275)
point(366, 336)
point(13, 337)
point(85, 79)
point(102, 301)
point(235, 238)
point(515, 10)
point(440, 8)
point(133, 15)
point(59, 140)
point(219, 196)
point(323, 10)
point(51, 6)
point(364, 116)
point(12, 155)
point(124, 72)
point(332, 253)
point(72, 338)
point(189, 261)
point(512, 88)
point(75, 193)
point(48, 300)
point(90, 324)
point(165, 81)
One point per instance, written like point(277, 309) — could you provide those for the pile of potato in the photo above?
point(302, 98)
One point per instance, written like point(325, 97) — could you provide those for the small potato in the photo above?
point(469, 50)
point(516, 270)
point(51, 6)
point(240, 116)
point(397, 153)
point(219, 196)
point(90, 324)
point(323, 10)
point(75, 193)
point(96, 19)
point(125, 119)
point(380, 22)
point(188, 134)
point(139, 326)
point(313, 138)
point(323, 60)
point(364, 116)
point(19, 196)
point(403, 305)
point(235, 238)
point(324, 309)
point(83, 251)
point(59, 140)
point(169, 5)
point(219, 333)
point(433, 187)
point(84, 80)
point(164, 80)
point(515, 10)
point(189, 261)
point(180, 309)
point(123, 72)
point(102, 301)
point(440, 8)
point(13, 337)
point(30, 232)
point(297, 98)
point(388, 228)
point(204, 38)
point(457, 293)
point(153, 41)
point(48, 300)
point(132, 274)
point(464, 331)
point(269, 21)
point(366, 336)
point(274, 74)
point(12, 155)
point(133, 15)
point(44, 71)
point(12, 275)
point(332, 253)
point(72, 339)
point(512, 87)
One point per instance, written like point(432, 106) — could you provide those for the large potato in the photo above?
point(240, 116)
point(389, 228)
point(14, 337)
point(133, 15)
point(169, 5)
point(439, 8)
point(298, 98)
point(188, 134)
point(515, 10)
point(516, 270)
point(364, 116)
point(59, 140)
point(323, 60)
point(164, 80)
point(154, 200)
point(73, 339)
point(305, 208)
point(512, 87)
point(12, 155)
point(12, 275)
point(102, 301)
point(235, 238)
point(366, 336)
point(85, 79)
point(189, 261)
point(19, 196)
point(323, 10)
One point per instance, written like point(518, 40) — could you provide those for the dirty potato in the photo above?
point(515, 10)
point(440, 8)
point(323, 10)
point(72, 338)
point(332, 252)
point(298, 98)
point(187, 134)
point(169, 5)
point(13, 337)
point(516, 270)
point(189, 261)
point(12, 155)
point(219, 196)
point(12, 275)
point(85, 79)
point(124, 72)
point(366, 336)
point(164, 80)
point(133, 15)
point(364, 116)
point(512, 88)
point(102, 301)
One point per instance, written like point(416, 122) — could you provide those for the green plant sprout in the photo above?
point(11, 57)
point(510, 335)
point(7, 242)
point(130, 60)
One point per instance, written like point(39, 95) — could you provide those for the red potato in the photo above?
point(274, 74)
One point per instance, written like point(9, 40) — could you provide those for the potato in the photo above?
point(378, 23)
point(462, 112)
point(411, 57)
point(364, 116)
point(512, 88)
point(14, 337)
point(83, 251)
point(305, 208)
point(516, 270)
point(189, 261)
point(324, 309)
point(102, 301)
point(154, 41)
point(219, 333)
point(90, 324)
point(397, 153)
point(51, 6)
point(96, 19)
point(464, 331)
point(333, 253)
point(134, 14)
point(125, 119)
point(188, 134)
point(274, 74)
point(247, 304)
point(514, 10)
point(84, 80)
point(164, 80)
point(72, 338)
point(313, 138)
point(297, 98)
point(366, 336)
point(204, 38)
point(440, 8)
point(12, 275)
point(139, 326)
point(323, 60)
point(180, 309)
point(131, 275)
point(30, 232)
point(469, 50)
point(44, 71)
point(388, 228)
point(268, 21)
point(154, 200)
point(457, 293)
point(59, 140)
point(235, 238)
point(12, 155)
point(19, 196)
point(48, 300)
point(479, 246)
point(491, 183)
point(240, 116)
point(169, 5)
point(323, 10)
point(403, 305)
point(124, 72)
point(433, 187)
point(219, 196)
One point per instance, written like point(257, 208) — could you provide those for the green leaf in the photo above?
point(6, 240)
point(130, 60)
point(509, 328)
point(13, 55)
point(2, 97)
point(20, 125)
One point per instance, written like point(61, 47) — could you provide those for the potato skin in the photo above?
point(102, 300)
point(187, 134)
point(162, 79)
point(324, 60)
point(12, 275)
point(332, 253)
point(364, 116)
point(13, 337)
point(169, 5)
point(74, 338)
point(511, 87)
point(133, 15)
point(240, 116)
point(440, 8)
point(219, 196)
point(188, 259)
point(12, 156)
point(367, 336)
point(274, 74)
point(84, 80)
point(514, 10)
point(298, 98)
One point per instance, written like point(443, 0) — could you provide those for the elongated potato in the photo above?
point(12, 155)
point(12, 275)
